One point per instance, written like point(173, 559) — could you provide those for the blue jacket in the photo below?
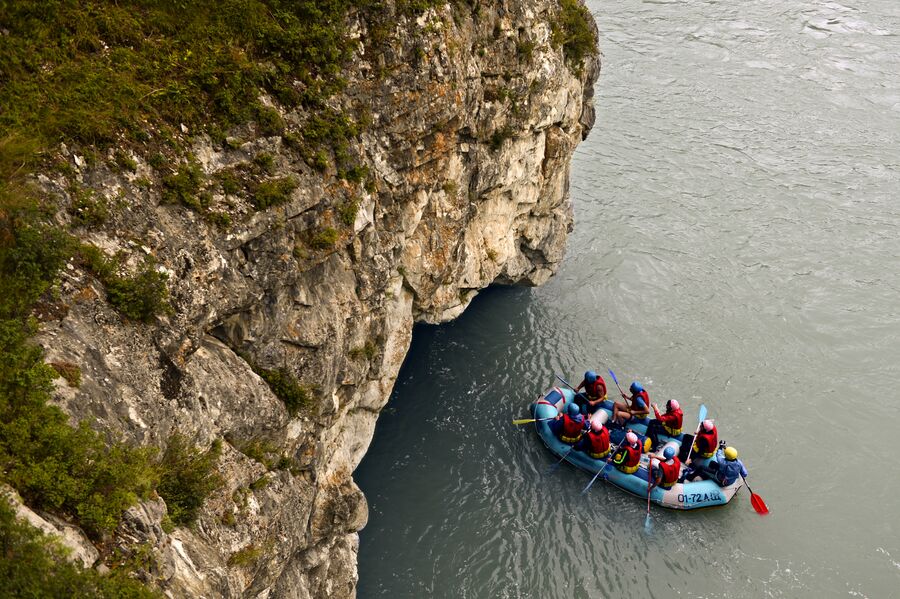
point(729, 470)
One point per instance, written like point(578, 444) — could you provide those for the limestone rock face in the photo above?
point(474, 119)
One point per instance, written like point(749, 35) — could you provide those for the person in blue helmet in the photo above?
point(665, 474)
point(635, 406)
point(594, 391)
point(569, 427)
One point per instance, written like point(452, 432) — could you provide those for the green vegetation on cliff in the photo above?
point(86, 71)
point(573, 31)
point(33, 565)
point(131, 73)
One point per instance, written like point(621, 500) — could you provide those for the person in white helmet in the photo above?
point(668, 423)
point(628, 457)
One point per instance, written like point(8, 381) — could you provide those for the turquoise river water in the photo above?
point(737, 244)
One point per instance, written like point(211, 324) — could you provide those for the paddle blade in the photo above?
point(613, 375)
point(758, 504)
point(524, 421)
point(702, 413)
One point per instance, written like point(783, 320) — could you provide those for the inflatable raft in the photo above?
point(682, 496)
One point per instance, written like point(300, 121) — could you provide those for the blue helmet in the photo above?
point(668, 453)
point(590, 376)
point(573, 410)
point(636, 387)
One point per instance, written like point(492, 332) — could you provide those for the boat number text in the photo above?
point(698, 497)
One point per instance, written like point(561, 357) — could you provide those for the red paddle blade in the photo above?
point(758, 504)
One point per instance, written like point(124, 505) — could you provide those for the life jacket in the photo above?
point(598, 444)
point(571, 429)
point(645, 397)
point(597, 389)
point(671, 425)
point(705, 443)
point(728, 472)
point(670, 473)
point(630, 459)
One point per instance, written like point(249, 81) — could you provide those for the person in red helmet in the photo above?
point(594, 391)
point(628, 457)
point(596, 442)
point(668, 423)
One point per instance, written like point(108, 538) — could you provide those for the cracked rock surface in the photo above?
point(469, 150)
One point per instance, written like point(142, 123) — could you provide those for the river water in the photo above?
point(737, 244)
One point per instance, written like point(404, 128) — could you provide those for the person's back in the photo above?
point(729, 467)
point(668, 469)
point(572, 425)
point(670, 422)
point(707, 440)
point(596, 442)
point(628, 458)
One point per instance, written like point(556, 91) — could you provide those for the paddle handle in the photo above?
point(528, 420)
point(701, 418)
point(605, 464)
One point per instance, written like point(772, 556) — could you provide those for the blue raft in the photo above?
point(682, 496)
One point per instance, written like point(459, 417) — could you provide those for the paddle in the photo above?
point(569, 385)
point(702, 417)
point(565, 382)
point(756, 501)
point(615, 380)
point(527, 420)
point(556, 465)
point(649, 488)
point(611, 454)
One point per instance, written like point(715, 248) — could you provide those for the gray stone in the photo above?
point(470, 156)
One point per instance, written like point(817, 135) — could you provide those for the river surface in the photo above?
point(737, 244)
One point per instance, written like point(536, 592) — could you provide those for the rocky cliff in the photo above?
point(473, 115)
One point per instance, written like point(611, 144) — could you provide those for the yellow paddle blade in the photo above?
point(524, 421)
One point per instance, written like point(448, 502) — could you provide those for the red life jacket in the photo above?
point(598, 443)
point(571, 429)
point(671, 422)
point(670, 473)
point(597, 389)
point(705, 444)
point(632, 458)
point(644, 396)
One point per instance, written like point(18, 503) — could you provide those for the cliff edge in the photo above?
point(294, 277)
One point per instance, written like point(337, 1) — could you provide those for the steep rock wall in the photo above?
point(475, 116)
